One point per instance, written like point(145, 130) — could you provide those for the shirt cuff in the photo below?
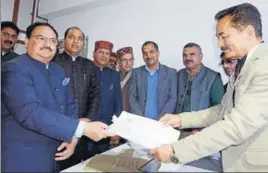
point(79, 130)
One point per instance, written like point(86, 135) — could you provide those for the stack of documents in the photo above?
point(146, 132)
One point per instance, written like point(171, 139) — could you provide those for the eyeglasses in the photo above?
point(42, 39)
point(7, 35)
point(127, 60)
point(228, 61)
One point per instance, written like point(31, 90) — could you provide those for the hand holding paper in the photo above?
point(146, 132)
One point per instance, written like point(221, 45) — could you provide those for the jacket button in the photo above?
point(61, 107)
point(56, 89)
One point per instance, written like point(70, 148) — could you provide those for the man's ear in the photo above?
point(250, 30)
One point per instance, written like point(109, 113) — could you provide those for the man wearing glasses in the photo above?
point(228, 67)
point(126, 59)
point(40, 125)
point(9, 36)
point(84, 87)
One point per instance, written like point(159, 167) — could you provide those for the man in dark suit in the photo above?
point(9, 37)
point(39, 120)
point(153, 87)
point(228, 65)
point(111, 96)
point(84, 87)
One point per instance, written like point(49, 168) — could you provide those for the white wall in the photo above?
point(170, 23)
point(6, 9)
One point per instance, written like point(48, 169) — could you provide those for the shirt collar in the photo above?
point(251, 51)
point(39, 64)
point(73, 57)
point(147, 68)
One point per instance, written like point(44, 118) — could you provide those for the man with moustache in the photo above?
point(199, 87)
point(111, 96)
point(238, 126)
point(84, 87)
point(228, 67)
point(40, 125)
point(153, 87)
point(9, 37)
point(125, 61)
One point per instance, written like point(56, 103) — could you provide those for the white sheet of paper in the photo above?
point(146, 132)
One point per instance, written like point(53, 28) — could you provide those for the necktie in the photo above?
point(239, 65)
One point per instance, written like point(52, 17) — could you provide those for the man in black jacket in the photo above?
point(228, 67)
point(9, 37)
point(84, 85)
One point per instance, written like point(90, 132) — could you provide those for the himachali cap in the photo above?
point(124, 50)
point(103, 45)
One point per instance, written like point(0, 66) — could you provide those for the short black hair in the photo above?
point(73, 27)
point(9, 24)
point(193, 45)
point(30, 28)
point(243, 15)
point(149, 42)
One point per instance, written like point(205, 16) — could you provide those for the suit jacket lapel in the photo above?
point(144, 78)
point(161, 77)
point(254, 56)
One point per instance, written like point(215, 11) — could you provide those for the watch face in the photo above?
point(174, 159)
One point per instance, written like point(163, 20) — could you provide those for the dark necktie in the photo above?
point(238, 67)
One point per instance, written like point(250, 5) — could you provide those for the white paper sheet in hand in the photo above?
point(143, 131)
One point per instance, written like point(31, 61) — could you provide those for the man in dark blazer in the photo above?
point(153, 87)
point(9, 37)
point(83, 85)
point(228, 65)
point(39, 117)
point(111, 96)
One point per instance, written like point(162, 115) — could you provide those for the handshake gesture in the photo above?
point(95, 130)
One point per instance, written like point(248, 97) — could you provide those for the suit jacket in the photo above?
point(111, 95)
point(238, 126)
point(38, 113)
point(8, 56)
point(167, 90)
point(84, 84)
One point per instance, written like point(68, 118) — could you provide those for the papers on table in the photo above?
point(146, 132)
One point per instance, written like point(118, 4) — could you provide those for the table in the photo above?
point(115, 151)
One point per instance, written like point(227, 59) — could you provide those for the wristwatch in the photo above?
point(173, 158)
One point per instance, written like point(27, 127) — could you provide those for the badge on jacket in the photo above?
point(65, 81)
point(111, 86)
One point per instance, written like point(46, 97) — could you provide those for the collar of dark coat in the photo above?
point(68, 57)
point(40, 66)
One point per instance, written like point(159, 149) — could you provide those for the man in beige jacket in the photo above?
point(238, 126)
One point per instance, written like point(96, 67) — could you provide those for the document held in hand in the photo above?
point(146, 132)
